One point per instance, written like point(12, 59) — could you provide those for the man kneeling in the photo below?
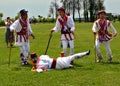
point(44, 62)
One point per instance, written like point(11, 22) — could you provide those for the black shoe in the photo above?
point(88, 52)
point(26, 63)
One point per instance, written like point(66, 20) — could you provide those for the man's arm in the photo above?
point(113, 30)
point(57, 27)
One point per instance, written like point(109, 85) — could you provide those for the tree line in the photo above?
point(86, 10)
point(90, 8)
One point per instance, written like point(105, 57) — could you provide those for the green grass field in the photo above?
point(84, 73)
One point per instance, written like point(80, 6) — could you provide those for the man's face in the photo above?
point(24, 16)
point(102, 15)
point(61, 13)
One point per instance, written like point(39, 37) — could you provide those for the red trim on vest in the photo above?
point(54, 63)
point(63, 23)
point(23, 33)
point(104, 35)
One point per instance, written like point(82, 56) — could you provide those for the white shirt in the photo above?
point(17, 27)
point(96, 27)
point(69, 23)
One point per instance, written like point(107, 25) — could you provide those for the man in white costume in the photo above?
point(44, 62)
point(101, 29)
point(66, 24)
point(23, 31)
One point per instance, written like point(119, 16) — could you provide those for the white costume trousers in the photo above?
point(65, 44)
point(24, 49)
point(64, 62)
point(107, 46)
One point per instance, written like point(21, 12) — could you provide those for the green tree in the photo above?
point(1, 15)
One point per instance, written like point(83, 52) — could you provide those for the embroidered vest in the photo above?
point(63, 23)
point(24, 31)
point(103, 34)
point(65, 31)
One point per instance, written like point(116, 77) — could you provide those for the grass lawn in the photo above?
point(84, 73)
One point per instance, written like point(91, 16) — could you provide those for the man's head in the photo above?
point(61, 11)
point(33, 57)
point(23, 14)
point(102, 14)
point(8, 18)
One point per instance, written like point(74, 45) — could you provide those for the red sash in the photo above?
point(53, 63)
point(103, 33)
point(63, 31)
point(24, 31)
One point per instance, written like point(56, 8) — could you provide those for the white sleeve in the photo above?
point(71, 23)
point(14, 25)
point(94, 28)
point(29, 29)
point(57, 26)
point(6, 22)
point(113, 29)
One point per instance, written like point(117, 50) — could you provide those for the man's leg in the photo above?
point(109, 53)
point(79, 55)
point(97, 46)
point(64, 43)
point(24, 54)
point(71, 43)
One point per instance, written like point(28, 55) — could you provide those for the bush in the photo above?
point(2, 23)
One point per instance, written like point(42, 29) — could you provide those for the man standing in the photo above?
point(101, 32)
point(66, 25)
point(23, 31)
point(8, 40)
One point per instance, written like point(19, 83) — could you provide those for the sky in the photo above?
point(41, 7)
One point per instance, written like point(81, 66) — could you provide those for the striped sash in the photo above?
point(65, 31)
point(24, 32)
point(103, 33)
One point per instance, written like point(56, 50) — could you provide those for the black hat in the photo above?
point(8, 17)
point(33, 56)
point(23, 11)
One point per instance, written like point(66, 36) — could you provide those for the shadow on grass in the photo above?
point(114, 63)
point(21, 67)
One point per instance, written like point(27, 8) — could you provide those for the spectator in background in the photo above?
point(8, 34)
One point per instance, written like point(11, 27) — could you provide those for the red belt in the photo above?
point(54, 63)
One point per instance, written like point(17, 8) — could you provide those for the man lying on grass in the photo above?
point(44, 62)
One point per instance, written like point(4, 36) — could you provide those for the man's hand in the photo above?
point(52, 31)
point(115, 35)
point(72, 32)
point(94, 33)
point(33, 36)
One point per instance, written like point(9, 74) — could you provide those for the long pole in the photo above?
point(9, 54)
point(48, 43)
point(10, 48)
point(95, 47)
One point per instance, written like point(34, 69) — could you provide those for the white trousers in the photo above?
point(65, 44)
point(24, 49)
point(64, 62)
point(107, 47)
